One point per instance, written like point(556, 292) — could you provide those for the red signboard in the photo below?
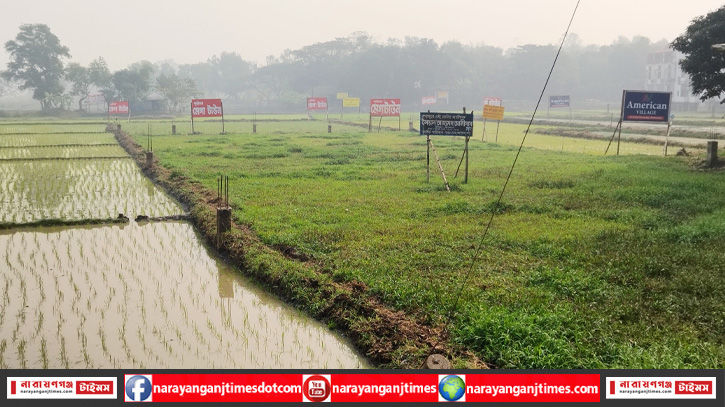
point(206, 108)
point(429, 100)
point(384, 107)
point(489, 101)
point(118, 108)
point(316, 103)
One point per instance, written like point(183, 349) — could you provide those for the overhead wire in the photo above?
point(477, 253)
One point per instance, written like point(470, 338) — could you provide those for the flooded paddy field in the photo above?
point(136, 295)
point(78, 189)
point(145, 296)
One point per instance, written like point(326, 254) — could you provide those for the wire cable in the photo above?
point(476, 255)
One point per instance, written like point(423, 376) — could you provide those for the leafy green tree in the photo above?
point(80, 80)
point(175, 89)
point(232, 74)
point(101, 78)
point(35, 62)
point(704, 64)
point(134, 82)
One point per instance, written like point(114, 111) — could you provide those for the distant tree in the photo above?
point(6, 87)
point(705, 65)
point(101, 78)
point(35, 62)
point(80, 80)
point(231, 74)
point(175, 89)
point(134, 82)
point(202, 73)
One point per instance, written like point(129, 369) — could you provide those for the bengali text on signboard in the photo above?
point(491, 101)
point(446, 124)
point(492, 112)
point(384, 107)
point(316, 103)
point(642, 106)
point(118, 107)
point(429, 100)
point(206, 108)
point(351, 102)
point(559, 101)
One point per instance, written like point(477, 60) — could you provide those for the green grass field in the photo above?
point(592, 261)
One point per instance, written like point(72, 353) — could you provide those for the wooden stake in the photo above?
point(427, 157)
point(465, 178)
point(667, 136)
point(612, 139)
point(619, 138)
point(443, 174)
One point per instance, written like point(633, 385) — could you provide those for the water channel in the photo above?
point(137, 295)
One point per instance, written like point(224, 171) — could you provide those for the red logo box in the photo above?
point(693, 387)
point(94, 387)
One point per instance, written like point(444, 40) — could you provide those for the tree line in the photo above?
point(409, 69)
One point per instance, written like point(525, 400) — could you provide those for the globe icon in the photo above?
point(452, 388)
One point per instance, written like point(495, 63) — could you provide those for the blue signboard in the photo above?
point(559, 101)
point(643, 106)
point(446, 124)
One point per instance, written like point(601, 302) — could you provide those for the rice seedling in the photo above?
point(43, 354)
point(21, 354)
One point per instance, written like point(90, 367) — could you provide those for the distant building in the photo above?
point(665, 75)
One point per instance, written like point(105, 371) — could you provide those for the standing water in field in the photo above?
point(130, 296)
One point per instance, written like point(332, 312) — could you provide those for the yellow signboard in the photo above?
point(351, 102)
point(341, 95)
point(493, 112)
point(442, 94)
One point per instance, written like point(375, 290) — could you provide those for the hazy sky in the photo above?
point(126, 31)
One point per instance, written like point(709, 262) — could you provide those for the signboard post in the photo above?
point(341, 97)
point(446, 124)
point(350, 102)
point(384, 108)
point(643, 106)
point(206, 108)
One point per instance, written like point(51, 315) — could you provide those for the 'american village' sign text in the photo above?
point(643, 106)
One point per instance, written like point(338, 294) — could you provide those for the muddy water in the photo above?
point(144, 295)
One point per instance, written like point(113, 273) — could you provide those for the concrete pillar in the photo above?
point(149, 159)
point(329, 128)
point(410, 126)
point(254, 128)
point(711, 153)
point(119, 128)
point(173, 129)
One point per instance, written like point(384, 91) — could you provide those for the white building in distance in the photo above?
point(665, 75)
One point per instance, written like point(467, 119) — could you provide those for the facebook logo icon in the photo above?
point(138, 388)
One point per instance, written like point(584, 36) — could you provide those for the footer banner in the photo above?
point(388, 388)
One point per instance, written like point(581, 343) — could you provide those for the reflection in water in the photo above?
point(144, 296)
point(78, 189)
